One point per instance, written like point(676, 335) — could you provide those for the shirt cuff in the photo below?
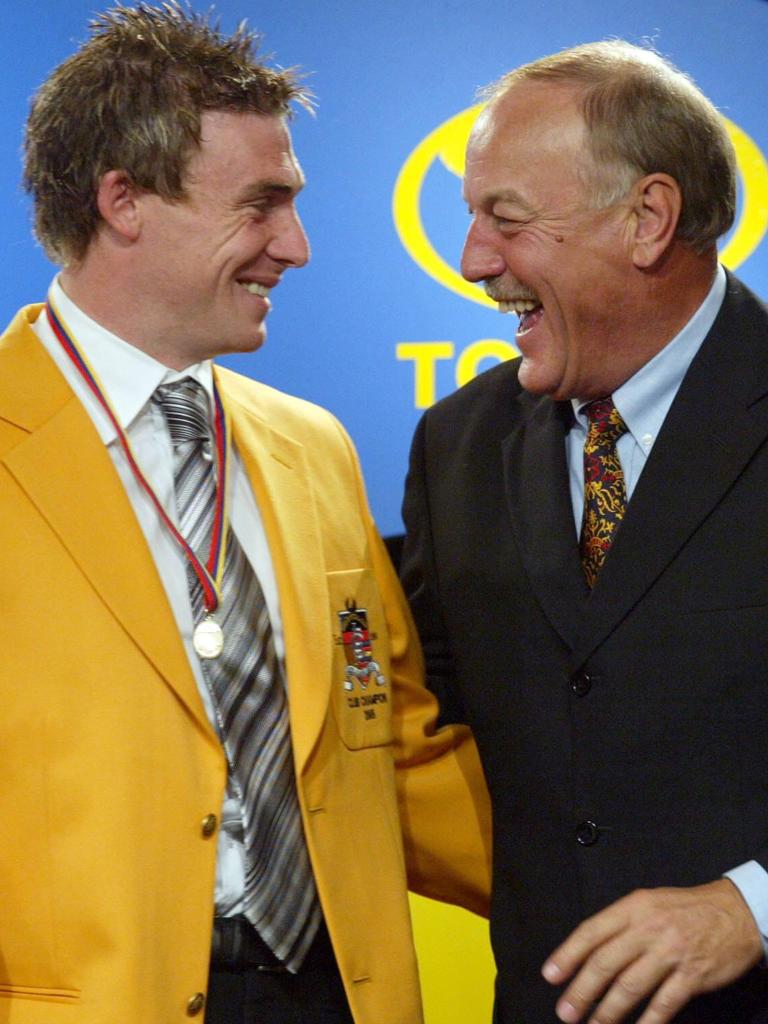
point(751, 879)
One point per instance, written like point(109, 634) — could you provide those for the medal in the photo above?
point(208, 638)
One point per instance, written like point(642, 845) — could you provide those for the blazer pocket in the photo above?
point(49, 995)
point(361, 692)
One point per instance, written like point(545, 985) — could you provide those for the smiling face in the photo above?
point(542, 248)
point(207, 264)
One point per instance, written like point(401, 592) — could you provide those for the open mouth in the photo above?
point(530, 312)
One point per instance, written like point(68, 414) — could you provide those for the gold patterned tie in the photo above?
point(605, 495)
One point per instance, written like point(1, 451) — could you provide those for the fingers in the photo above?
point(622, 970)
point(589, 935)
point(629, 989)
point(665, 945)
point(607, 953)
point(669, 1000)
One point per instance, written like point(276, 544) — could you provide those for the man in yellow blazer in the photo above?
point(164, 185)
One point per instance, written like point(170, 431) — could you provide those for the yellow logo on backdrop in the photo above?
point(447, 143)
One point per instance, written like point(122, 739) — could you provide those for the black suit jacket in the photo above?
point(624, 733)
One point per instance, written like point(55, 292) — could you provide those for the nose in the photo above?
point(480, 258)
point(289, 244)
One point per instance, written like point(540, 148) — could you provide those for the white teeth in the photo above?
point(518, 306)
point(256, 289)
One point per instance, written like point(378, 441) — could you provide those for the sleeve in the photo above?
point(443, 801)
point(751, 879)
point(444, 804)
point(419, 579)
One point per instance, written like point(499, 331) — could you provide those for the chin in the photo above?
point(535, 383)
point(248, 343)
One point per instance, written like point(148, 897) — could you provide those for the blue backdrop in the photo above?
point(386, 77)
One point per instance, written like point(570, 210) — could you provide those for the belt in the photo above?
point(236, 943)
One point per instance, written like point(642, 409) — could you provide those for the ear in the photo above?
point(656, 206)
point(117, 200)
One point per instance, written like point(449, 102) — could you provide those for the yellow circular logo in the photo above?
point(448, 143)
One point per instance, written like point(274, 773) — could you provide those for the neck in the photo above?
point(112, 306)
point(679, 284)
point(666, 300)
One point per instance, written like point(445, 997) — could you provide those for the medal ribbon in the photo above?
point(209, 574)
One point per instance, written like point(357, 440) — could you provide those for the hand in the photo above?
point(668, 944)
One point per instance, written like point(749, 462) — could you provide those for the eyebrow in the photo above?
point(490, 200)
point(510, 196)
point(268, 187)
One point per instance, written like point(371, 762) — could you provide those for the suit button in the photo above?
point(195, 1004)
point(208, 825)
point(587, 833)
point(581, 683)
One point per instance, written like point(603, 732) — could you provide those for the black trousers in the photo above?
point(252, 993)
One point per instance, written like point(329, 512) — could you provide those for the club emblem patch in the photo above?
point(357, 639)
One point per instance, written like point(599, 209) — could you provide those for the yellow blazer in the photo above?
point(109, 768)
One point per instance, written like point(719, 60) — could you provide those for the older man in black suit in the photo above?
point(586, 552)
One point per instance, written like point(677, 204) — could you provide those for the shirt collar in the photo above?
point(127, 375)
point(644, 400)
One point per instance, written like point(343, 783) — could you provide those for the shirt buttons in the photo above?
point(646, 440)
point(208, 825)
point(587, 833)
point(195, 1004)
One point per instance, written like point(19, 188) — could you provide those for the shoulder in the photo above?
point(735, 351)
point(296, 432)
point(294, 416)
point(742, 305)
point(20, 327)
point(263, 415)
point(32, 389)
point(497, 385)
point(494, 398)
point(737, 292)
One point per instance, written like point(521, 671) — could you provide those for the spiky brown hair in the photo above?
point(131, 98)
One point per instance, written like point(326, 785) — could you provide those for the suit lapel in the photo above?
point(68, 475)
point(276, 467)
point(716, 423)
point(536, 479)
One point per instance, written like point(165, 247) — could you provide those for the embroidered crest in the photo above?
point(357, 640)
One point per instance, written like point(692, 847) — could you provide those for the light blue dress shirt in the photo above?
point(643, 402)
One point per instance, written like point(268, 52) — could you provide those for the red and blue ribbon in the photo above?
point(210, 573)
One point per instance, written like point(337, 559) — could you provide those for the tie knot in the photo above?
point(185, 407)
point(605, 422)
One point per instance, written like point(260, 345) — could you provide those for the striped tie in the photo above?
point(248, 693)
point(605, 495)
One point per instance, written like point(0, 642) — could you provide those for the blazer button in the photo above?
point(581, 683)
point(587, 833)
point(208, 825)
point(195, 1004)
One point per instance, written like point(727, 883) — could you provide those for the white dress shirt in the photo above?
point(128, 377)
